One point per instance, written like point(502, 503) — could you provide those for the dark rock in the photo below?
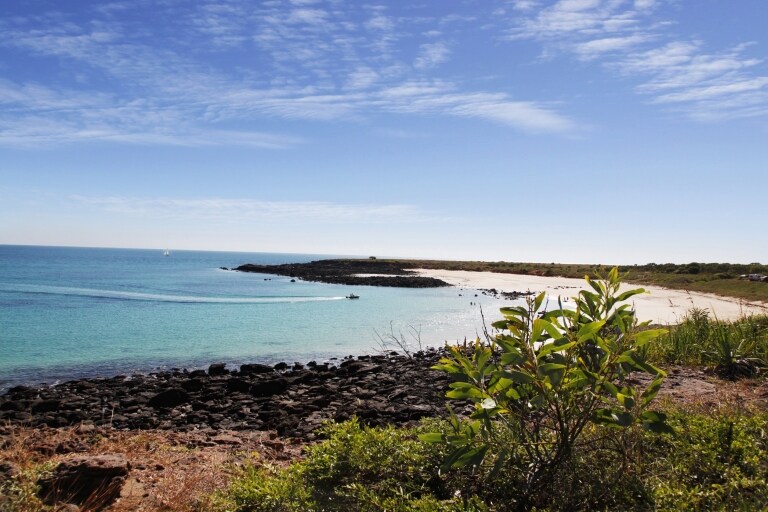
point(13, 405)
point(217, 369)
point(192, 385)
point(238, 385)
point(46, 405)
point(380, 389)
point(255, 369)
point(92, 481)
point(385, 273)
point(269, 387)
point(169, 398)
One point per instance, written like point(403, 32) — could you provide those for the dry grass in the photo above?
point(170, 471)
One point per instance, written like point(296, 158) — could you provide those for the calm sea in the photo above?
point(75, 312)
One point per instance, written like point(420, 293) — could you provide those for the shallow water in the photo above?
point(73, 312)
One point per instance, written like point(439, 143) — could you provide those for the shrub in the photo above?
point(545, 381)
point(355, 468)
point(715, 462)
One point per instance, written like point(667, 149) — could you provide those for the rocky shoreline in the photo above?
point(292, 400)
point(370, 272)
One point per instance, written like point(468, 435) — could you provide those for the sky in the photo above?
point(585, 131)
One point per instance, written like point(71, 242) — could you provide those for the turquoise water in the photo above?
point(73, 312)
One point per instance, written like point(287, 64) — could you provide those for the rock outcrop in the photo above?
point(92, 482)
point(350, 272)
point(291, 399)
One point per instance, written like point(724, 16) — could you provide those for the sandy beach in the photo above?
point(659, 305)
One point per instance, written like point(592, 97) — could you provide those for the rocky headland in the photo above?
point(369, 272)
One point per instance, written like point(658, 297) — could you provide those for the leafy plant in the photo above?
point(716, 462)
point(354, 468)
point(734, 356)
point(548, 376)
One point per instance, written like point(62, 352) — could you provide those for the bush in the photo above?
point(715, 462)
point(549, 378)
point(355, 468)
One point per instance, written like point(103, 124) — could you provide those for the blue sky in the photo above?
point(603, 131)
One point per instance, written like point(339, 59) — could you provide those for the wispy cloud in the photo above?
point(431, 54)
point(250, 209)
point(597, 48)
point(310, 60)
point(631, 38)
point(707, 86)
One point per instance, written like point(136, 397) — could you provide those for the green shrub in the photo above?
point(715, 462)
point(548, 378)
point(354, 468)
point(734, 349)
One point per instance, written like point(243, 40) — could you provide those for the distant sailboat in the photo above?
point(166, 252)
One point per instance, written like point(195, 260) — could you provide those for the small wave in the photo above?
point(154, 297)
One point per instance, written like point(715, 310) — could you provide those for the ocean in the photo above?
point(68, 313)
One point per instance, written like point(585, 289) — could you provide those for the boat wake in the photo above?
point(153, 297)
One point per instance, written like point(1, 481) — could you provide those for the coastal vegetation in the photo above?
point(556, 421)
point(726, 279)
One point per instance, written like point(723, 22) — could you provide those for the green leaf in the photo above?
point(644, 337)
point(518, 376)
point(500, 325)
point(538, 301)
point(553, 331)
point(550, 367)
point(538, 328)
point(514, 358)
point(464, 393)
point(587, 331)
point(555, 346)
point(472, 457)
point(612, 389)
point(627, 401)
point(432, 437)
point(656, 422)
point(629, 293)
point(650, 392)
point(612, 418)
point(498, 385)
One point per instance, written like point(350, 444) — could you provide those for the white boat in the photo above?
point(166, 252)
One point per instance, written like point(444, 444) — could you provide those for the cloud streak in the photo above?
point(629, 37)
point(252, 210)
point(311, 61)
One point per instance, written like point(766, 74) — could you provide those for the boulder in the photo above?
point(255, 369)
point(93, 482)
point(46, 405)
point(217, 369)
point(269, 387)
point(169, 398)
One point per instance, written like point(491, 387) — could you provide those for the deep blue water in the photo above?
point(74, 312)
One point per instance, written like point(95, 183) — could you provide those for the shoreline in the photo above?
point(388, 388)
point(659, 305)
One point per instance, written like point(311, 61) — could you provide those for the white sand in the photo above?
point(659, 305)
